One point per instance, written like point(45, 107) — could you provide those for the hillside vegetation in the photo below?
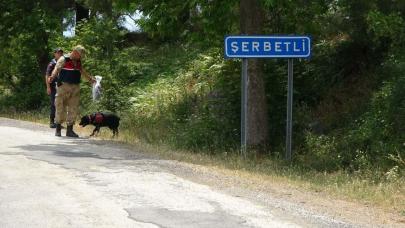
point(173, 87)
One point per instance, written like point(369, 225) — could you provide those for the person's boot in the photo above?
point(70, 132)
point(52, 124)
point(58, 130)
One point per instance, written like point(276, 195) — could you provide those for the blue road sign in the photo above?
point(267, 47)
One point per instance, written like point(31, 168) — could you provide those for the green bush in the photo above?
point(189, 103)
point(380, 133)
point(22, 77)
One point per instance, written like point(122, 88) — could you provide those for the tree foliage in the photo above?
point(26, 28)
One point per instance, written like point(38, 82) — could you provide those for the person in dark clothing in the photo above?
point(51, 87)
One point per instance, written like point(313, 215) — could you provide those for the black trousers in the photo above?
point(52, 100)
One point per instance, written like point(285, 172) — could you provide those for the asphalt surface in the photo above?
point(47, 181)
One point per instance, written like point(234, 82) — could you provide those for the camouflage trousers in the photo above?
point(67, 103)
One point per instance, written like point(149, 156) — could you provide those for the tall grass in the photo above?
point(182, 104)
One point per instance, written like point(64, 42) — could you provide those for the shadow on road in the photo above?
point(81, 148)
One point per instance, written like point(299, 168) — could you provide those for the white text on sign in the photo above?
point(267, 47)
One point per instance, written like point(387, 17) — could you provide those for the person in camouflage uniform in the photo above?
point(69, 70)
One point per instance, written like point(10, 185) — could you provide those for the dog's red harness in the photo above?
point(96, 118)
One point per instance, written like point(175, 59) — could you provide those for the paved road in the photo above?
point(47, 181)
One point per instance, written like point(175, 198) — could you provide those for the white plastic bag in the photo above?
point(97, 88)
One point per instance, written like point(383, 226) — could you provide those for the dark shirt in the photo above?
point(49, 70)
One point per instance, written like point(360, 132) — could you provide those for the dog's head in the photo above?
point(84, 121)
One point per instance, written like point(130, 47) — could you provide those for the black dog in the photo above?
point(100, 119)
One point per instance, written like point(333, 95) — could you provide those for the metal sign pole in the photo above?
point(289, 109)
point(246, 47)
point(244, 106)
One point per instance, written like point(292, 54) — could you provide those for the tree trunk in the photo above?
point(82, 13)
point(251, 23)
point(42, 53)
point(43, 60)
point(108, 8)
